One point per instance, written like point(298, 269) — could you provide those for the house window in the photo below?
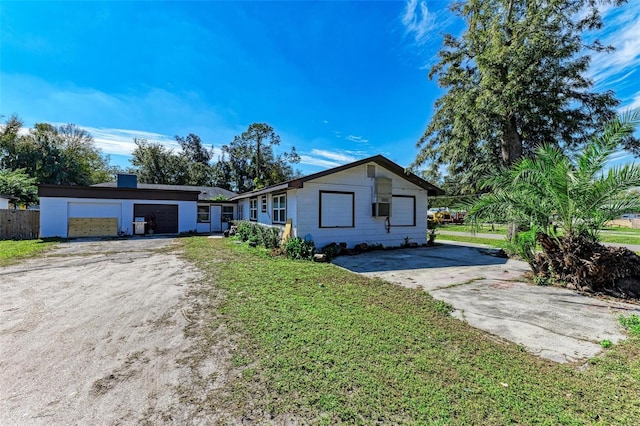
point(253, 209)
point(227, 213)
point(203, 214)
point(263, 200)
point(337, 209)
point(280, 208)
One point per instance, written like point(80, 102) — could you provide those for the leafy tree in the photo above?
point(249, 162)
point(19, 185)
point(198, 159)
point(64, 155)
point(154, 163)
point(515, 79)
point(566, 202)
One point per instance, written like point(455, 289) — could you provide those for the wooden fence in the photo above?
point(19, 224)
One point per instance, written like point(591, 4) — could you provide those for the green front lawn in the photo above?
point(630, 236)
point(319, 344)
point(11, 251)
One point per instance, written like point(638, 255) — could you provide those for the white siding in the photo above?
point(4, 203)
point(55, 213)
point(367, 228)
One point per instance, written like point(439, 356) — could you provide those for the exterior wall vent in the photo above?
point(371, 170)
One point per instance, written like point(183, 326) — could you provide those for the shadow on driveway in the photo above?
point(490, 293)
point(419, 258)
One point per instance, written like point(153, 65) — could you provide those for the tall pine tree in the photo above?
point(515, 78)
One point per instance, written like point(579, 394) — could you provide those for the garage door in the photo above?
point(166, 216)
point(93, 219)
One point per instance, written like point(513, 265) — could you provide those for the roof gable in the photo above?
point(378, 159)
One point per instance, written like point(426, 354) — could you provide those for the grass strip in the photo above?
point(604, 237)
point(470, 239)
point(12, 251)
point(328, 346)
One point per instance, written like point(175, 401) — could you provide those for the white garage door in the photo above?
point(95, 210)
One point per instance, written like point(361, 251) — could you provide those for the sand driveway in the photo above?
point(93, 333)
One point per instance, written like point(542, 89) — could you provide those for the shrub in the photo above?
point(524, 244)
point(297, 248)
point(266, 236)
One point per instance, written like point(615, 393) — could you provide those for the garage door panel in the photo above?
point(92, 227)
point(95, 209)
point(166, 216)
point(90, 219)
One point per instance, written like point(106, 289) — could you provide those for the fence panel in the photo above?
point(19, 224)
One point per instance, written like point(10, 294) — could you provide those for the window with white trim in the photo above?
point(203, 214)
point(279, 208)
point(253, 209)
point(263, 207)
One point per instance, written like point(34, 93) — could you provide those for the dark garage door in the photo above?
point(166, 216)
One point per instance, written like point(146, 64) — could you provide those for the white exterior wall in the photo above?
point(4, 203)
point(367, 228)
point(55, 213)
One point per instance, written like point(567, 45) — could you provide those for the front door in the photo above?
point(216, 218)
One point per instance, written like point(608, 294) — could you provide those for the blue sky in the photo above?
point(338, 80)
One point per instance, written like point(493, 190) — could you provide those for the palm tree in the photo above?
point(565, 202)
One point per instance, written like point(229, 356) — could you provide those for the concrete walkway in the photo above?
point(491, 294)
point(632, 247)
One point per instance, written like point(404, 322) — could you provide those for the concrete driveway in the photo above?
point(491, 294)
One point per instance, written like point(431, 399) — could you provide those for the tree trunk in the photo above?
point(510, 142)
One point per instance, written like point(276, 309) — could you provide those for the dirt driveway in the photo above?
point(490, 294)
point(93, 333)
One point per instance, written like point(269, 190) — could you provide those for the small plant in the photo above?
point(523, 244)
point(542, 280)
point(443, 307)
point(606, 343)
point(297, 248)
point(431, 235)
point(632, 323)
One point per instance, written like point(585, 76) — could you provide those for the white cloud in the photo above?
point(341, 157)
point(357, 139)
point(120, 141)
point(619, 70)
point(417, 20)
point(635, 103)
point(314, 161)
point(329, 159)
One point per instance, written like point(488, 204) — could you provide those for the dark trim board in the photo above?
point(98, 192)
